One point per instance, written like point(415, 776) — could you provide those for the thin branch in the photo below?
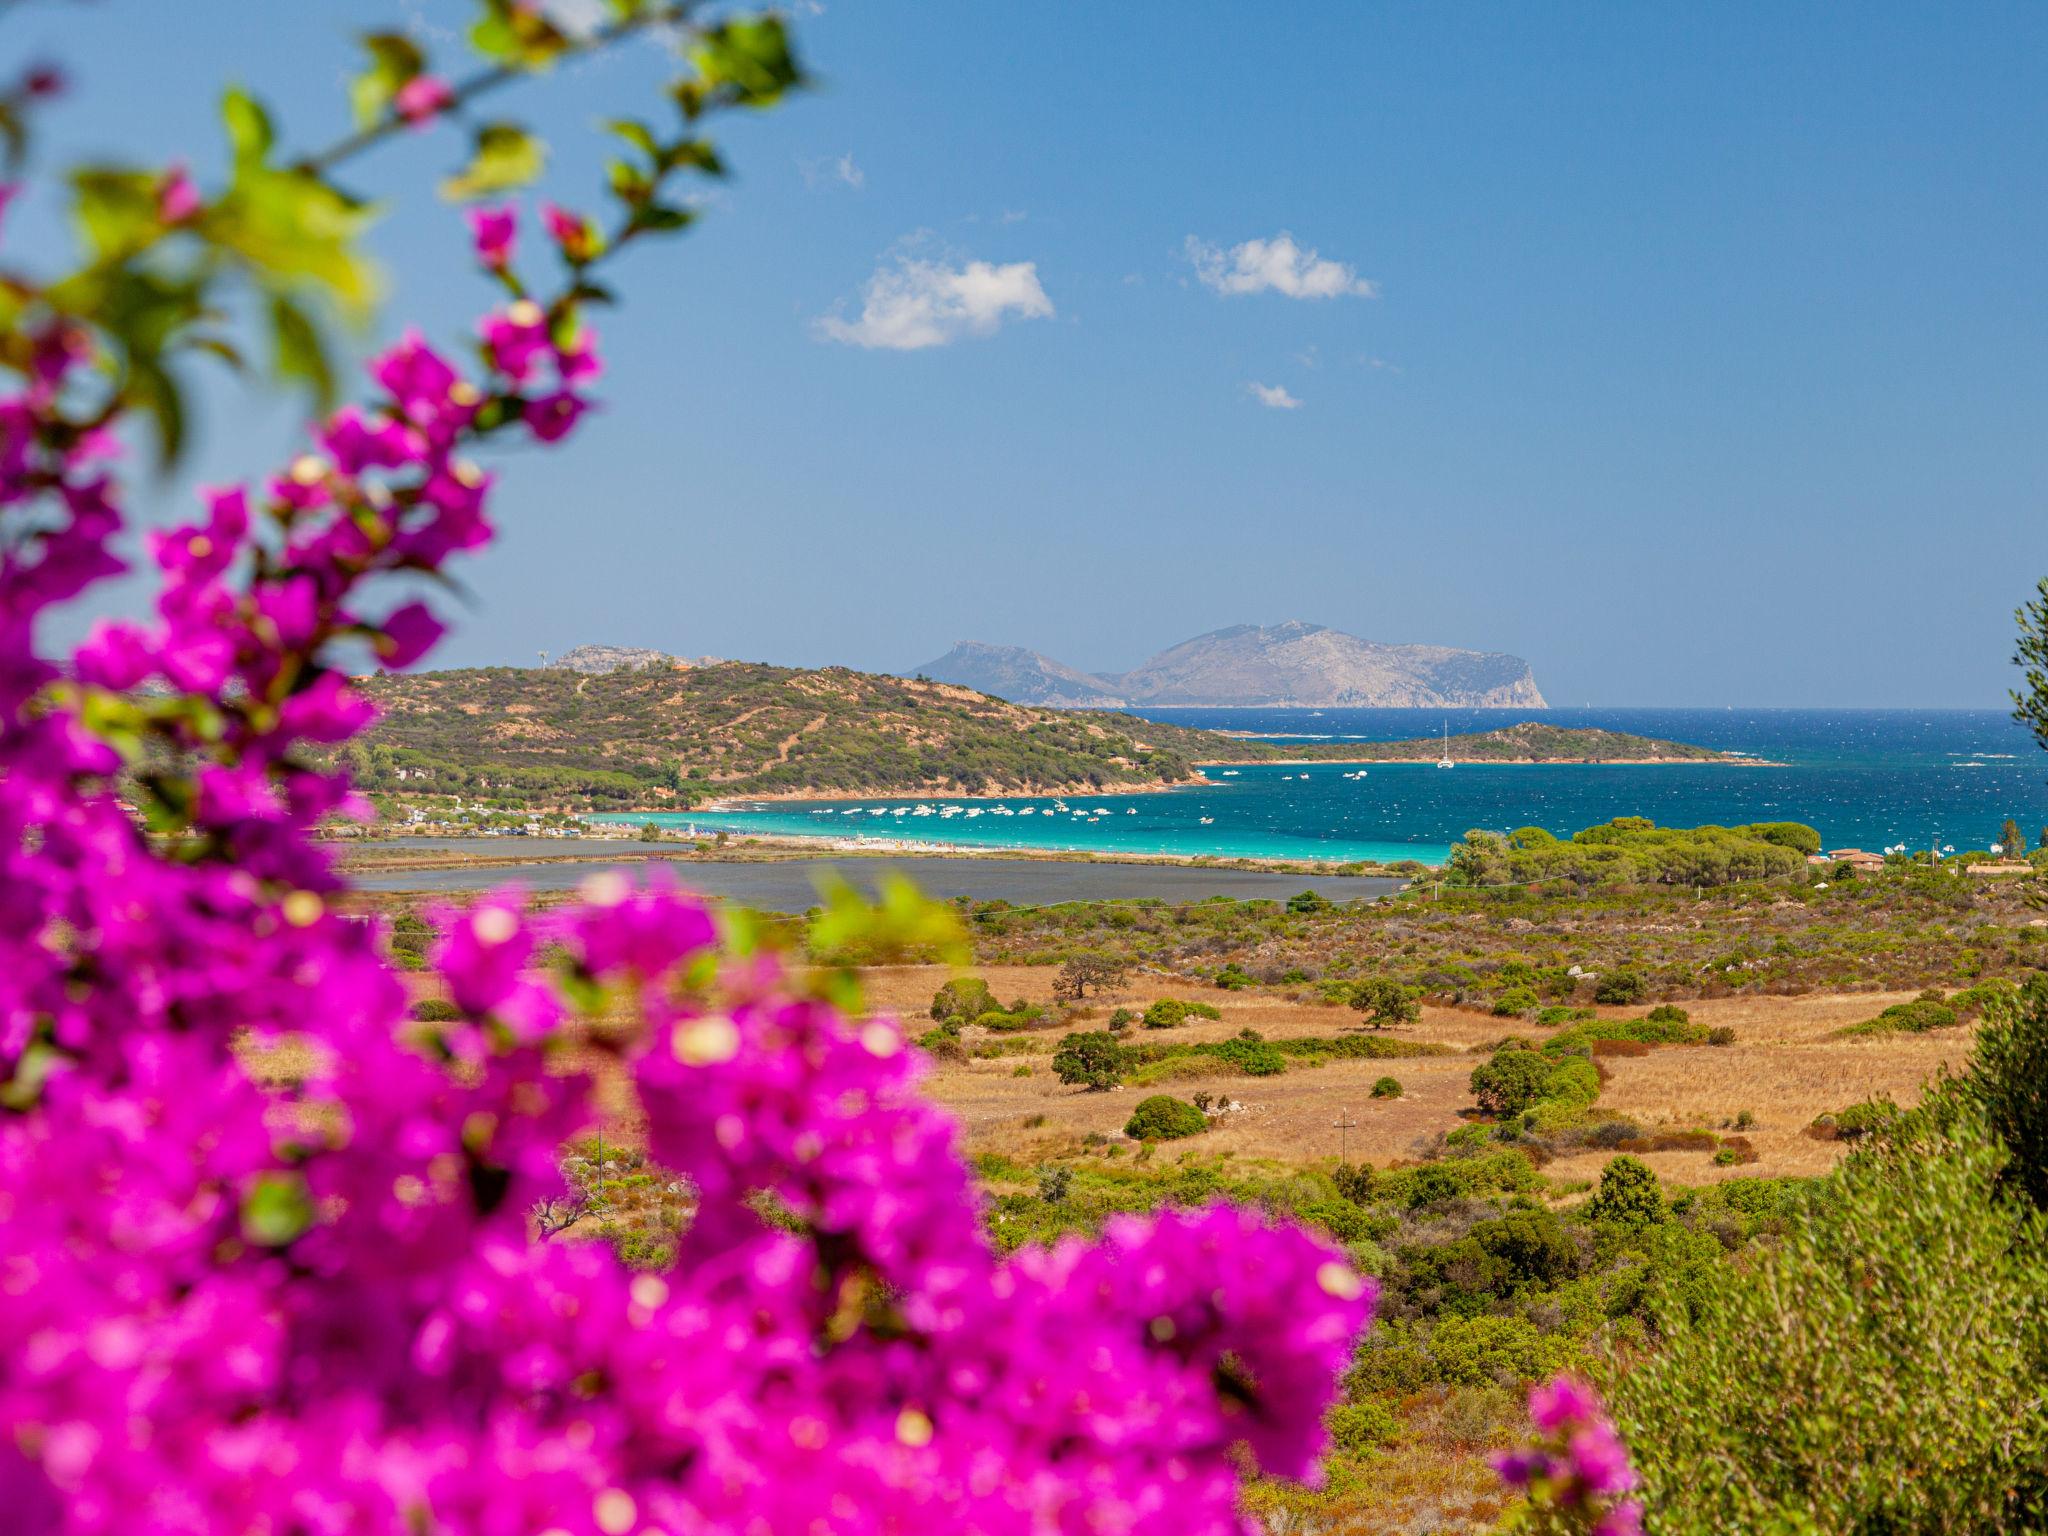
point(480, 84)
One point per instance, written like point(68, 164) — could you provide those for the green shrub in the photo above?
point(1362, 1426)
point(1495, 1351)
point(1574, 1082)
point(1005, 1022)
point(435, 1010)
point(1860, 1120)
point(1386, 1088)
point(1649, 1031)
point(1512, 1081)
point(1165, 1118)
point(1620, 988)
point(1876, 1370)
point(1090, 1059)
point(1254, 1058)
point(2009, 1078)
point(1552, 1017)
point(1233, 977)
point(1515, 1003)
point(964, 997)
point(1121, 1019)
point(1345, 1220)
point(1668, 1013)
point(942, 1044)
point(1170, 1013)
point(1166, 1014)
point(1914, 1018)
point(1629, 1195)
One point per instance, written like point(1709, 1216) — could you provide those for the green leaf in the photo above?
point(249, 130)
point(747, 60)
point(394, 59)
point(505, 156)
point(298, 351)
point(692, 155)
point(660, 217)
point(517, 35)
point(292, 227)
point(637, 134)
point(276, 1210)
point(116, 210)
point(32, 1069)
point(627, 181)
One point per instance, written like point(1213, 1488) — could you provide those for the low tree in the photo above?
point(2011, 841)
point(1511, 1082)
point(1090, 1059)
point(1385, 1001)
point(1104, 974)
point(1629, 1194)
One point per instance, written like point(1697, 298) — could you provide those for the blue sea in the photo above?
point(1866, 778)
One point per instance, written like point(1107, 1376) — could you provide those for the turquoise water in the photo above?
point(1865, 778)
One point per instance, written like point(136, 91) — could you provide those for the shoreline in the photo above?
point(727, 805)
point(1503, 762)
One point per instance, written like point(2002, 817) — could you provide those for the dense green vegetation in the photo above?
point(1559, 945)
point(1634, 850)
point(1861, 1352)
point(1881, 1367)
point(677, 736)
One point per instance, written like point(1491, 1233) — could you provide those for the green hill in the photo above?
point(674, 736)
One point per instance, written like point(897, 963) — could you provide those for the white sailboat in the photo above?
point(1445, 760)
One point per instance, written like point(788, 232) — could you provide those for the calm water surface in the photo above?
point(1865, 778)
point(792, 885)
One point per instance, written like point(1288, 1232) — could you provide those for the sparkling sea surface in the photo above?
point(1865, 778)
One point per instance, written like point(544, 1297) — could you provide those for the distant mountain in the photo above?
point(1024, 677)
point(1310, 665)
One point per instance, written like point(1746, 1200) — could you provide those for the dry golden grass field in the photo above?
point(1783, 1068)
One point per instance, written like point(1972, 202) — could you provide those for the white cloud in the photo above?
point(1277, 265)
point(1274, 396)
point(836, 168)
point(916, 304)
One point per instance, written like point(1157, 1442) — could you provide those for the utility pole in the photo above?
point(1344, 1125)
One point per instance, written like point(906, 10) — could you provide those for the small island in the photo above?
point(1530, 741)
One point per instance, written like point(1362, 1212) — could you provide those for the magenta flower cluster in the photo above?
point(1575, 1472)
point(236, 1299)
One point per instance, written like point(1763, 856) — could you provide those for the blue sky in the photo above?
point(1694, 353)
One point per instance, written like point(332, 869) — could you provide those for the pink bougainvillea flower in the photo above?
point(177, 199)
point(423, 98)
point(515, 338)
point(554, 416)
point(574, 235)
point(493, 231)
point(407, 635)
